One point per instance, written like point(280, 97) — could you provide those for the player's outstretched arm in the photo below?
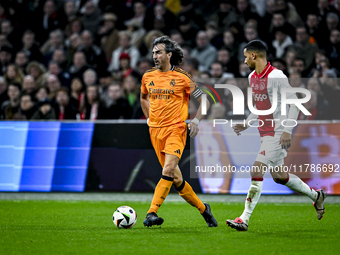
point(193, 125)
point(144, 101)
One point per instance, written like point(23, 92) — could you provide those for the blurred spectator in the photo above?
point(53, 85)
point(146, 47)
point(92, 107)
point(230, 43)
point(28, 85)
point(230, 64)
point(21, 61)
point(159, 13)
point(289, 59)
point(299, 66)
point(94, 55)
point(279, 21)
point(45, 111)
point(126, 47)
point(217, 74)
point(38, 72)
point(64, 77)
point(289, 12)
point(313, 28)
point(204, 52)
point(215, 37)
point(281, 42)
point(42, 94)
point(280, 64)
point(63, 109)
point(311, 106)
point(188, 11)
point(124, 68)
point(191, 66)
point(330, 90)
point(108, 35)
point(27, 106)
point(322, 106)
point(79, 65)
point(77, 91)
point(55, 41)
point(245, 13)
point(131, 90)
point(5, 58)
point(11, 106)
point(74, 43)
point(50, 20)
point(13, 74)
point(74, 26)
point(225, 15)
point(3, 90)
point(30, 47)
point(244, 70)
point(92, 17)
point(70, 10)
point(333, 49)
point(136, 31)
point(59, 56)
point(295, 81)
point(139, 13)
point(8, 30)
point(323, 8)
point(143, 65)
point(303, 48)
point(187, 29)
point(119, 107)
point(176, 36)
point(90, 77)
point(250, 34)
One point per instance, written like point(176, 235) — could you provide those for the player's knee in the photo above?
point(169, 170)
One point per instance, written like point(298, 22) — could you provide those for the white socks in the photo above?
point(296, 184)
point(253, 197)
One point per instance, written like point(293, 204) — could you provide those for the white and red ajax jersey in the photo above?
point(262, 86)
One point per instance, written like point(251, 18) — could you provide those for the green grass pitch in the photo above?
point(86, 227)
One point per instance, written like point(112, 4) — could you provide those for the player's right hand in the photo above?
point(238, 128)
point(193, 129)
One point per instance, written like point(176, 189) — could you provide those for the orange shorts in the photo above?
point(168, 140)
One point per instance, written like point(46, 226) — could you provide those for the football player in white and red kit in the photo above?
point(266, 80)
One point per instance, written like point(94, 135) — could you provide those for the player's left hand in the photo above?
point(285, 140)
point(193, 129)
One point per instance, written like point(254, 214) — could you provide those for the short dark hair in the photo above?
point(171, 46)
point(256, 46)
point(15, 84)
point(193, 62)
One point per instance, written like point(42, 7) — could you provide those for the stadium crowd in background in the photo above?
point(84, 59)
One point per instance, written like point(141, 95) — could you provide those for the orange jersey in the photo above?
point(168, 96)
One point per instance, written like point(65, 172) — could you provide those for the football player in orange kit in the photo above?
point(165, 94)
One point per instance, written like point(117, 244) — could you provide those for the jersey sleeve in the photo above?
point(143, 86)
point(281, 82)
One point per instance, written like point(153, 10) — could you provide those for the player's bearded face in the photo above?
point(160, 57)
point(249, 61)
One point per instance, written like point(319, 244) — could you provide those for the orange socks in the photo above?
point(162, 190)
point(187, 193)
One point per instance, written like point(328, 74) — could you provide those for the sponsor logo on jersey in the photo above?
point(151, 83)
point(260, 97)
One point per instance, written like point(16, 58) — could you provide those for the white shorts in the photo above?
point(271, 153)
